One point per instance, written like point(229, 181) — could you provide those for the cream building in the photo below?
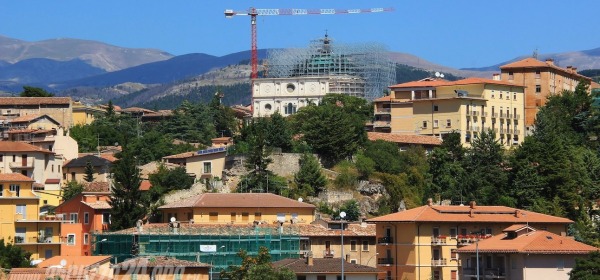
point(205, 164)
point(422, 243)
point(435, 107)
point(58, 108)
point(287, 95)
point(85, 114)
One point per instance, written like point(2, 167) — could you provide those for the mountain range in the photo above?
point(99, 71)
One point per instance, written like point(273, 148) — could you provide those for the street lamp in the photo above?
point(477, 234)
point(342, 216)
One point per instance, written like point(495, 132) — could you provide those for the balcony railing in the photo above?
point(438, 262)
point(385, 261)
point(17, 165)
point(383, 111)
point(381, 124)
point(516, 116)
point(438, 240)
point(470, 238)
point(516, 131)
point(328, 253)
point(488, 273)
point(385, 240)
point(484, 114)
point(494, 115)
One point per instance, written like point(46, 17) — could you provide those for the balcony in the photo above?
point(385, 261)
point(383, 111)
point(21, 165)
point(382, 124)
point(516, 131)
point(438, 240)
point(472, 113)
point(494, 115)
point(328, 253)
point(41, 240)
point(488, 273)
point(484, 114)
point(516, 116)
point(438, 262)
point(385, 240)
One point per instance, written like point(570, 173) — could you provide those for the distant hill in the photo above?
point(43, 71)
point(97, 54)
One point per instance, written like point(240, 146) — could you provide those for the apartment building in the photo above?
point(74, 170)
point(206, 164)
point(21, 222)
point(86, 114)
point(435, 107)
point(540, 79)
point(87, 212)
point(238, 208)
point(422, 243)
point(57, 108)
point(40, 165)
point(522, 252)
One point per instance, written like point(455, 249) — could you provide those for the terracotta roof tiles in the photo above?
point(34, 100)
point(238, 200)
point(404, 139)
point(102, 187)
point(74, 260)
point(535, 242)
point(145, 185)
point(9, 146)
point(454, 213)
point(14, 177)
point(325, 265)
point(159, 261)
point(98, 205)
point(534, 63)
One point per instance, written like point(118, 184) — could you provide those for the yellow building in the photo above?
point(239, 208)
point(85, 114)
point(205, 164)
point(436, 107)
point(21, 223)
point(58, 108)
point(421, 243)
point(74, 170)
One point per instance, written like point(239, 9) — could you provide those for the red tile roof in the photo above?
point(351, 230)
point(159, 261)
point(182, 155)
point(324, 266)
point(9, 146)
point(238, 200)
point(102, 187)
point(145, 185)
point(477, 81)
point(534, 63)
point(52, 181)
point(29, 118)
point(428, 82)
point(404, 139)
point(487, 214)
point(34, 100)
point(535, 242)
point(85, 261)
point(14, 177)
point(98, 205)
point(440, 83)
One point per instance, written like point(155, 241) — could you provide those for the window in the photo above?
point(353, 245)
point(233, 216)
point(448, 123)
point(86, 238)
point(106, 218)
point(71, 239)
point(435, 123)
point(453, 275)
point(74, 218)
point(353, 261)
point(281, 217)
point(436, 275)
point(14, 158)
point(290, 109)
point(64, 176)
point(537, 74)
point(365, 245)
point(257, 216)
point(500, 95)
point(207, 168)
point(86, 218)
point(52, 167)
point(1, 158)
point(453, 254)
point(538, 88)
point(435, 108)
point(290, 88)
point(213, 216)
point(515, 96)
point(268, 107)
point(15, 188)
point(452, 232)
point(424, 124)
point(72, 176)
point(511, 75)
point(21, 209)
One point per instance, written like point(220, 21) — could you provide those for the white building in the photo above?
point(287, 95)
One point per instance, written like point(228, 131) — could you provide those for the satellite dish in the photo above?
point(342, 214)
point(441, 75)
point(173, 219)
point(63, 262)
point(300, 199)
point(437, 74)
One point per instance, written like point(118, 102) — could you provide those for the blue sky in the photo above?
point(459, 33)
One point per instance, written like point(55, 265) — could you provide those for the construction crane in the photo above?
point(253, 13)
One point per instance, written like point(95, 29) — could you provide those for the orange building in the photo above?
point(160, 268)
point(540, 79)
point(89, 212)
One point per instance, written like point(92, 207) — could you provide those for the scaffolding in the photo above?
point(184, 243)
point(362, 70)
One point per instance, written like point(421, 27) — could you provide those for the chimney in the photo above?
point(473, 204)
point(309, 258)
point(430, 201)
point(518, 213)
point(574, 69)
point(496, 77)
point(550, 61)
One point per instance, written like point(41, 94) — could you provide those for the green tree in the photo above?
point(223, 116)
point(89, 172)
point(309, 180)
point(256, 268)
point(34, 92)
point(352, 209)
point(110, 110)
point(587, 268)
point(385, 155)
point(279, 133)
point(72, 189)
point(126, 197)
point(12, 256)
point(163, 181)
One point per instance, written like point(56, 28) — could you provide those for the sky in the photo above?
point(459, 33)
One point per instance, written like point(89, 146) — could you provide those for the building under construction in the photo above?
point(216, 244)
point(361, 70)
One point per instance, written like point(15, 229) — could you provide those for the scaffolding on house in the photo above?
point(184, 243)
point(361, 70)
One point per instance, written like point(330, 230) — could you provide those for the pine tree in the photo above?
point(126, 199)
point(309, 179)
point(89, 172)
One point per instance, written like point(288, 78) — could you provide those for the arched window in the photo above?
point(290, 109)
